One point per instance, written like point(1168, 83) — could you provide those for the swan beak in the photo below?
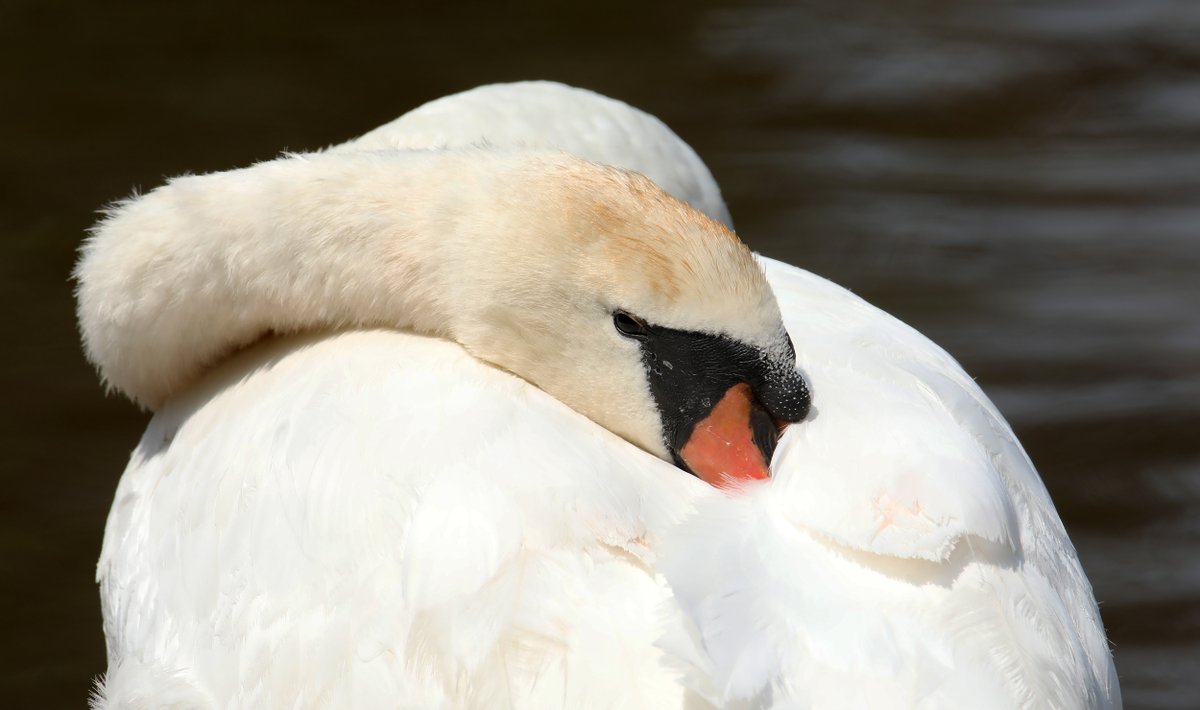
point(734, 443)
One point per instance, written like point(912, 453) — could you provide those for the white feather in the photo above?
point(905, 553)
point(378, 519)
point(434, 532)
point(548, 115)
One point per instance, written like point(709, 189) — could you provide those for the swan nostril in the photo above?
point(788, 400)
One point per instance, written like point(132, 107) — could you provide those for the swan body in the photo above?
point(905, 555)
point(374, 513)
point(344, 562)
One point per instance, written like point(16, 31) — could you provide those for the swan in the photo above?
point(426, 404)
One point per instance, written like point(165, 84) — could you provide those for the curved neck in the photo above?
point(173, 281)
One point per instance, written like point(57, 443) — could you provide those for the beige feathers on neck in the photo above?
point(518, 256)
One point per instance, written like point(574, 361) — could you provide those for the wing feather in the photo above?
point(905, 553)
point(351, 520)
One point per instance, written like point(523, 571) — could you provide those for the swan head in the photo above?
point(588, 281)
point(637, 311)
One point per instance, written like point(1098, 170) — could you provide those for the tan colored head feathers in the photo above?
point(521, 257)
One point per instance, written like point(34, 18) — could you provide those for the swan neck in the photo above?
point(176, 280)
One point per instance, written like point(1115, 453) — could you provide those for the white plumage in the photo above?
point(373, 518)
point(906, 553)
point(543, 115)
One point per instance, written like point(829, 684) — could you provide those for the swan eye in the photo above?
point(630, 326)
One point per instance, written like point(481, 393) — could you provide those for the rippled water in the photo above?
point(1018, 180)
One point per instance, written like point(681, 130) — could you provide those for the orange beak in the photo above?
point(734, 443)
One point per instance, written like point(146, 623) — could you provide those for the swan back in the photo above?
point(546, 115)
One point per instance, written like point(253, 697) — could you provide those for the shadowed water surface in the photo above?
point(1018, 180)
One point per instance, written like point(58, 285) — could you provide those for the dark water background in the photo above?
point(1018, 180)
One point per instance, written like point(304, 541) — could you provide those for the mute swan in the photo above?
point(373, 512)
